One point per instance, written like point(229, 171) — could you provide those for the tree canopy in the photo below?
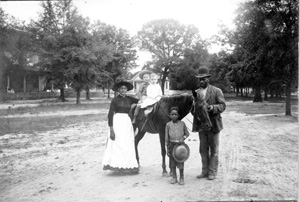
point(167, 40)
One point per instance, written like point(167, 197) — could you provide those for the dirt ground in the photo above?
point(258, 160)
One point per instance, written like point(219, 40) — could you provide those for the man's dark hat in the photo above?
point(203, 72)
point(122, 83)
point(181, 152)
point(142, 73)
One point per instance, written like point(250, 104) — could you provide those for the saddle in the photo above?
point(144, 115)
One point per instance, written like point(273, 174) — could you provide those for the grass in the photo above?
point(53, 107)
point(260, 108)
point(33, 124)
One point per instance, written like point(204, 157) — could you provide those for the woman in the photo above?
point(120, 151)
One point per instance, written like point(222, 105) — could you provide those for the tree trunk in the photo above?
point(277, 92)
point(266, 94)
point(3, 77)
point(242, 92)
point(108, 92)
point(165, 74)
point(62, 95)
point(257, 95)
point(78, 96)
point(280, 90)
point(272, 93)
point(237, 91)
point(247, 90)
point(103, 89)
point(288, 111)
point(2, 84)
point(87, 96)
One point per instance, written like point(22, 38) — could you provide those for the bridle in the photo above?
point(196, 113)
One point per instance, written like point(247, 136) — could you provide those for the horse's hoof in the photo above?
point(165, 175)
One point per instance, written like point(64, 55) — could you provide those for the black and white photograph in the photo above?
point(149, 101)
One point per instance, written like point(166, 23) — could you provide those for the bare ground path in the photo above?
point(258, 161)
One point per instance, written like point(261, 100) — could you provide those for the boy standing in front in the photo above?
point(176, 132)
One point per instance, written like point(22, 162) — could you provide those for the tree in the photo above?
point(123, 53)
point(48, 32)
point(182, 76)
point(266, 38)
point(166, 40)
point(220, 66)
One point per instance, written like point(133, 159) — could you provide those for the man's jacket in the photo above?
point(214, 96)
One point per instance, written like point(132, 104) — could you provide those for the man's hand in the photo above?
point(112, 134)
point(210, 108)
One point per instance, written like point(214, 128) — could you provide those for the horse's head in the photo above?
point(201, 111)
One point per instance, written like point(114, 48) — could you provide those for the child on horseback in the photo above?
point(154, 92)
point(176, 133)
point(148, 93)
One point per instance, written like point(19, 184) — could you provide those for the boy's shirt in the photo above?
point(142, 92)
point(175, 131)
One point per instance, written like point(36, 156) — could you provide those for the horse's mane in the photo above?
point(176, 98)
point(182, 101)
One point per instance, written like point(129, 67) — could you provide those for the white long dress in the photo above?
point(120, 154)
point(154, 94)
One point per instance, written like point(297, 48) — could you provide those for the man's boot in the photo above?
point(181, 180)
point(174, 177)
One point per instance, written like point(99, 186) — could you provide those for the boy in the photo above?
point(142, 92)
point(176, 132)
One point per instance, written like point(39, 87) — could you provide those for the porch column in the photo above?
point(8, 83)
point(39, 84)
point(24, 84)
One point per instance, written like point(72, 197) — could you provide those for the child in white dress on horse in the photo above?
point(154, 92)
point(153, 95)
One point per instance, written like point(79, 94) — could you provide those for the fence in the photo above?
point(29, 95)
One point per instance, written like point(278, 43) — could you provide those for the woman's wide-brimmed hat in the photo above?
point(181, 152)
point(142, 73)
point(203, 72)
point(122, 83)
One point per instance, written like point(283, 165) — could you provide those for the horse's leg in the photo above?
point(138, 137)
point(163, 153)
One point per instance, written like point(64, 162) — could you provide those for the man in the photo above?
point(209, 139)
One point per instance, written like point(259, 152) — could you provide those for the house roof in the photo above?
point(136, 77)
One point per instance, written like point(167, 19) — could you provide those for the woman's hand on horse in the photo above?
point(112, 134)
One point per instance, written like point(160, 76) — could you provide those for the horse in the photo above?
point(157, 120)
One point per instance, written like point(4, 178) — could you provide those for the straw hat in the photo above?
point(142, 73)
point(122, 83)
point(181, 152)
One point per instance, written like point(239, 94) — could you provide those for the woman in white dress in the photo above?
point(120, 149)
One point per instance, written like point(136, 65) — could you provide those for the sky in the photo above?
point(133, 14)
